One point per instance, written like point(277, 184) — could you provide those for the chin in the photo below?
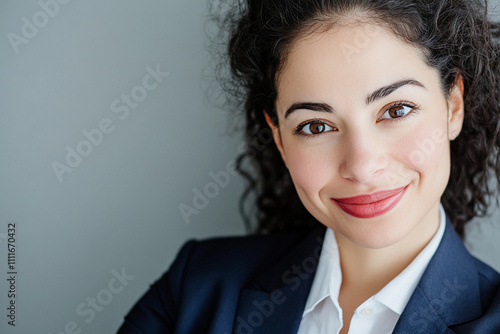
point(376, 233)
point(378, 239)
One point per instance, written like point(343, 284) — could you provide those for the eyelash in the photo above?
point(415, 109)
point(300, 127)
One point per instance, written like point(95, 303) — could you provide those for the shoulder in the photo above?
point(204, 282)
point(489, 284)
point(489, 292)
point(465, 290)
point(487, 274)
point(211, 275)
point(232, 257)
point(477, 274)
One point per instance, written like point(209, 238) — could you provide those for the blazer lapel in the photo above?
point(274, 301)
point(448, 292)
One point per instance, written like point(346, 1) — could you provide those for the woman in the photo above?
point(385, 126)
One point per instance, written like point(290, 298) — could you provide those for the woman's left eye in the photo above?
point(397, 111)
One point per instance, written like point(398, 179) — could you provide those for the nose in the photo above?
point(363, 157)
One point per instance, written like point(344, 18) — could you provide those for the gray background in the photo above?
point(119, 208)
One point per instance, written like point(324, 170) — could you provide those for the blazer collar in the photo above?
point(448, 292)
point(275, 299)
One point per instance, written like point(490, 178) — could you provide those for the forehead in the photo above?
point(349, 59)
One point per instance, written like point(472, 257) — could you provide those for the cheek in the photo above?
point(310, 169)
point(426, 150)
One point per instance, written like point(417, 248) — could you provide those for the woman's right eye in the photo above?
point(313, 128)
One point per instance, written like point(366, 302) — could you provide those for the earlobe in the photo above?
point(276, 135)
point(456, 108)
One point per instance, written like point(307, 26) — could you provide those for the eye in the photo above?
point(398, 111)
point(313, 128)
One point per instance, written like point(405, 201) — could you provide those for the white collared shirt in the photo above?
point(377, 315)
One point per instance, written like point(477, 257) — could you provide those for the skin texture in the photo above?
point(361, 150)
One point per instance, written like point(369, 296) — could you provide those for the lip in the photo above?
point(372, 205)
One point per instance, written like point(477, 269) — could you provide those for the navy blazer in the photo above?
point(260, 284)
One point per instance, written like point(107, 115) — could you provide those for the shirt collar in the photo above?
point(328, 277)
point(395, 295)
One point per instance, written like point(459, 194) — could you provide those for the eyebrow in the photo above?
point(376, 95)
point(321, 107)
point(389, 89)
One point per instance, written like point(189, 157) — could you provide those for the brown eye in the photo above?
point(316, 128)
point(397, 111)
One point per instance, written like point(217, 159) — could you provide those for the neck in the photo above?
point(368, 270)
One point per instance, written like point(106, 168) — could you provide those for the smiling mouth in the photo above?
point(372, 205)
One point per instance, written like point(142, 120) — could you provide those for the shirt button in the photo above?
point(366, 312)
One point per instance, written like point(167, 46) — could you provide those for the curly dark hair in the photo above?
point(456, 36)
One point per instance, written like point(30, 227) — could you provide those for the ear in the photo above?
point(456, 108)
point(276, 136)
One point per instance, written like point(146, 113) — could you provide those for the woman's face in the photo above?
point(361, 114)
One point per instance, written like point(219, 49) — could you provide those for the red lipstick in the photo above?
point(372, 205)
